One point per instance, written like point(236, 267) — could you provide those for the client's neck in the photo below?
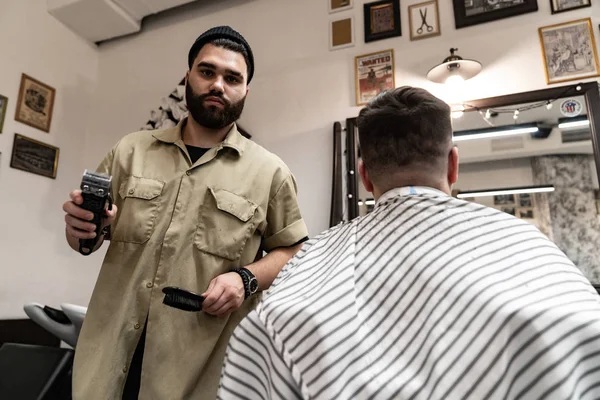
point(411, 178)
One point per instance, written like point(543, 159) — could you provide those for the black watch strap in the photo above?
point(249, 280)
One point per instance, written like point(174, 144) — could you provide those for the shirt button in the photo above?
point(149, 284)
point(131, 191)
point(125, 369)
point(188, 173)
point(137, 326)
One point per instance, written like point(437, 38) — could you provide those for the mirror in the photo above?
point(534, 155)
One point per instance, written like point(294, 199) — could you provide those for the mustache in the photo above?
point(218, 95)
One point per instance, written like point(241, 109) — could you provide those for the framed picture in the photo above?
point(339, 5)
point(504, 199)
point(35, 103)
point(3, 103)
point(525, 200)
point(473, 12)
point(341, 33)
point(382, 20)
point(374, 73)
point(424, 20)
point(569, 51)
point(559, 6)
point(33, 156)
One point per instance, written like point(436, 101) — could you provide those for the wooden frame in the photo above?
point(338, 5)
point(338, 32)
point(425, 30)
point(3, 106)
point(366, 69)
point(556, 62)
point(381, 29)
point(462, 20)
point(35, 103)
point(34, 156)
point(555, 10)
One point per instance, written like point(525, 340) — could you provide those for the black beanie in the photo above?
point(221, 32)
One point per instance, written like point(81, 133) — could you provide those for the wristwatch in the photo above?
point(249, 280)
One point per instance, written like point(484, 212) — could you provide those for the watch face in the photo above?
point(253, 285)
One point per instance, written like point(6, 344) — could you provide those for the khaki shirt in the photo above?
point(180, 225)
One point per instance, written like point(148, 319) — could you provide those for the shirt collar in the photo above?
point(409, 191)
point(233, 140)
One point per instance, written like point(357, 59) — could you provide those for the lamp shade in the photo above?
point(454, 66)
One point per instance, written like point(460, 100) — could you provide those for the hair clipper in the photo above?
point(95, 189)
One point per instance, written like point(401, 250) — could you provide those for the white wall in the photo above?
point(35, 261)
point(300, 87)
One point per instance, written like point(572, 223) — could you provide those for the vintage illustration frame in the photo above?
point(382, 20)
point(35, 103)
point(462, 20)
point(335, 6)
point(339, 30)
point(3, 106)
point(585, 57)
point(34, 156)
point(424, 30)
point(373, 73)
point(554, 7)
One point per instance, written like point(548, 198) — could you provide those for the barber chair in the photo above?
point(42, 372)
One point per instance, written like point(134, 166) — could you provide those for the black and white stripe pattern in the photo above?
point(427, 297)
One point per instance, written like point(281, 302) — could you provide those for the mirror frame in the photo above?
point(590, 91)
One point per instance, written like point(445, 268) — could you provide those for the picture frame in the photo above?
point(474, 12)
point(33, 156)
point(35, 103)
point(339, 5)
point(557, 6)
point(569, 51)
point(374, 73)
point(429, 16)
point(382, 20)
point(3, 105)
point(341, 33)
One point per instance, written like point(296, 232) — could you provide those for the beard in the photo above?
point(212, 117)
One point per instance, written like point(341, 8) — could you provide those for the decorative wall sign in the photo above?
point(473, 12)
point(382, 20)
point(340, 5)
point(33, 156)
point(571, 108)
point(341, 33)
point(3, 104)
point(35, 103)
point(569, 51)
point(424, 20)
point(559, 6)
point(374, 73)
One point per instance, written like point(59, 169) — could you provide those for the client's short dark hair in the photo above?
point(401, 127)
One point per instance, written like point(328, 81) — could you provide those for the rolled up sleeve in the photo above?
point(285, 225)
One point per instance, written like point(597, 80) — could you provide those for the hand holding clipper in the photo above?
point(95, 190)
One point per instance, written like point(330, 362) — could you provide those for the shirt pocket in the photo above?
point(140, 200)
point(225, 224)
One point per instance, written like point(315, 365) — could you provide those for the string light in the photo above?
point(516, 114)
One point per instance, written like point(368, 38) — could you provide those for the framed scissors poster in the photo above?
point(424, 20)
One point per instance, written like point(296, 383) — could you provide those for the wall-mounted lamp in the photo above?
point(454, 69)
point(506, 191)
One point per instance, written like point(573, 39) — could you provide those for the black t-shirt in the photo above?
point(196, 152)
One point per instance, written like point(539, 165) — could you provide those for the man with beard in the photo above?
point(195, 206)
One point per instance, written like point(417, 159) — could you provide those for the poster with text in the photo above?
point(374, 74)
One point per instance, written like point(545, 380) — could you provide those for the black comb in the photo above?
point(182, 299)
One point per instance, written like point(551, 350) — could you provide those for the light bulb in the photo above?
point(549, 106)
point(488, 114)
point(454, 80)
point(516, 115)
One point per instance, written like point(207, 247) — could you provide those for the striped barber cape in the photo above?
point(426, 297)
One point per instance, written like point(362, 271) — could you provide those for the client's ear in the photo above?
point(364, 176)
point(453, 166)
